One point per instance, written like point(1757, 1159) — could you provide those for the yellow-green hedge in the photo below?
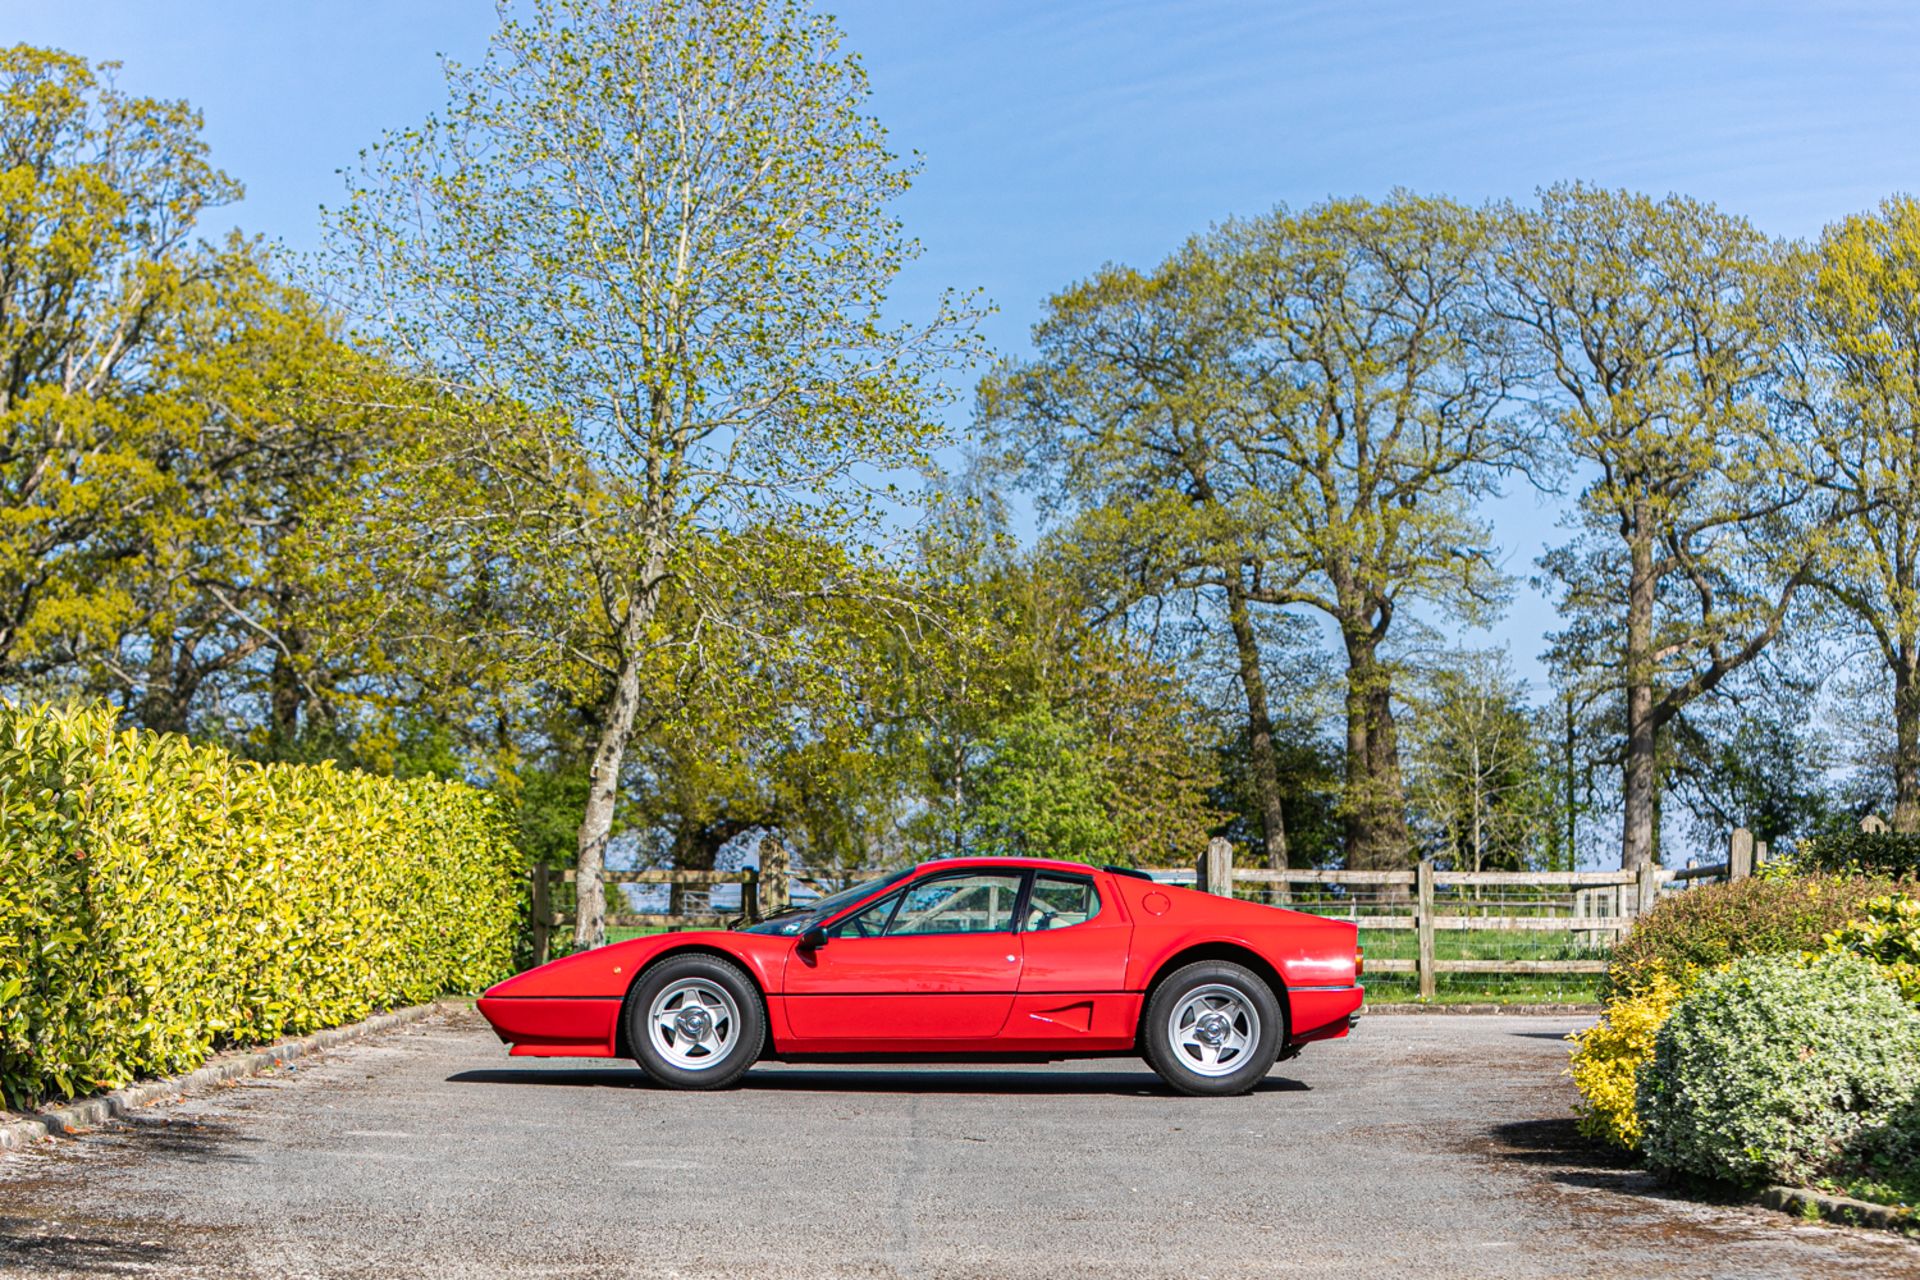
point(159, 900)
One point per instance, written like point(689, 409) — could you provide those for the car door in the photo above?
point(943, 964)
point(1073, 938)
point(1074, 943)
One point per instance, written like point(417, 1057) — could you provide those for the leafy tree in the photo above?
point(99, 195)
point(1760, 765)
point(1123, 422)
point(176, 419)
point(1861, 384)
point(1379, 387)
point(1653, 330)
point(1041, 792)
point(1295, 411)
point(1481, 776)
point(1017, 636)
point(651, 239)
point(232, 613)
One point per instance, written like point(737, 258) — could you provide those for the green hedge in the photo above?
point(1885, 853)
point(1692, 933)
point(160, 900)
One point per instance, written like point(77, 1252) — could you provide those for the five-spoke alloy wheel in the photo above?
point(695, 1022)
point(1212, 1028)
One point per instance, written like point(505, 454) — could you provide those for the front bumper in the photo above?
point(554, 1027)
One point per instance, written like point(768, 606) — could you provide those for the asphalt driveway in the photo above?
point(1428, 1145)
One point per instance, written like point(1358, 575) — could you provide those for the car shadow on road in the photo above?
point(1569, 1157)
point(74, 1247)
point(1563, 1155)
point(191, 1141)
point(855, 1080)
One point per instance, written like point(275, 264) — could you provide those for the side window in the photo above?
point(1060, 902)
point(868, 921)
point(979, 903)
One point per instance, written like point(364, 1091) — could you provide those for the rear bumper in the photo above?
point(1323, 1013)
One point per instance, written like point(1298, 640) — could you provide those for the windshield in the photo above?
point(798, 919)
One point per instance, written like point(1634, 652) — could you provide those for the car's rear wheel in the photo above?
point(695, 1022)
point(1213, 1028)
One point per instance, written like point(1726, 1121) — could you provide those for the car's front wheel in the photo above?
point(1213, 1028)
point(695, 1022)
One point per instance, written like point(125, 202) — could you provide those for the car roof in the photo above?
point(1008, 861)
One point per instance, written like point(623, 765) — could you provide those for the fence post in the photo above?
point(542, 915)
point(1215, 872)
point(1423, 926)
point(1649, 890)
point(1740, 854)
point(775, 870)
point(750, 895)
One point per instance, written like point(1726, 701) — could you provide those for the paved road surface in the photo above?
point(1426, 1145)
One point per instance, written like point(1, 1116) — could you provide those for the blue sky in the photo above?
point(1058, 136)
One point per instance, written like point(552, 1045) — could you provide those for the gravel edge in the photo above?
point(71, 1117)
point(1556, 1010)
point(1804, 1202)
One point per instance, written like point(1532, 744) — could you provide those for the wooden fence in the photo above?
point(764, 891)
point(1598, 905)
point(1595, 907)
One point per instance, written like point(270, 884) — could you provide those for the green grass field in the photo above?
point(624, 935)
point(1449, 944)
point(1483, 944)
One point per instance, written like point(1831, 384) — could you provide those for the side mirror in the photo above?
point(813, 939)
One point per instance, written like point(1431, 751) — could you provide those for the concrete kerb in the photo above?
point(86, 1113)
point(1803, 1202)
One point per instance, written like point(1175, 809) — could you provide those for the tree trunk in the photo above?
point(957, 798)
point(1266, 773)
point(1376, 819)
point(1906, 739)
point(1571, 857)
point(285, 694)
point(1636, 837)
point(161, 708)
point(684, 859)
point(1479, 830)
point(610, 752)
point(697, 848)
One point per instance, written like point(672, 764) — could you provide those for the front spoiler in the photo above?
point(554, 1027)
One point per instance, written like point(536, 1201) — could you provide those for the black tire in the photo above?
point(734, 1017)
point(1240, 999)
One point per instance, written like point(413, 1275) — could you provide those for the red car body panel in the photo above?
point(1062, 992)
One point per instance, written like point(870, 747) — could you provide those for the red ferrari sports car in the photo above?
point(985, 959)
